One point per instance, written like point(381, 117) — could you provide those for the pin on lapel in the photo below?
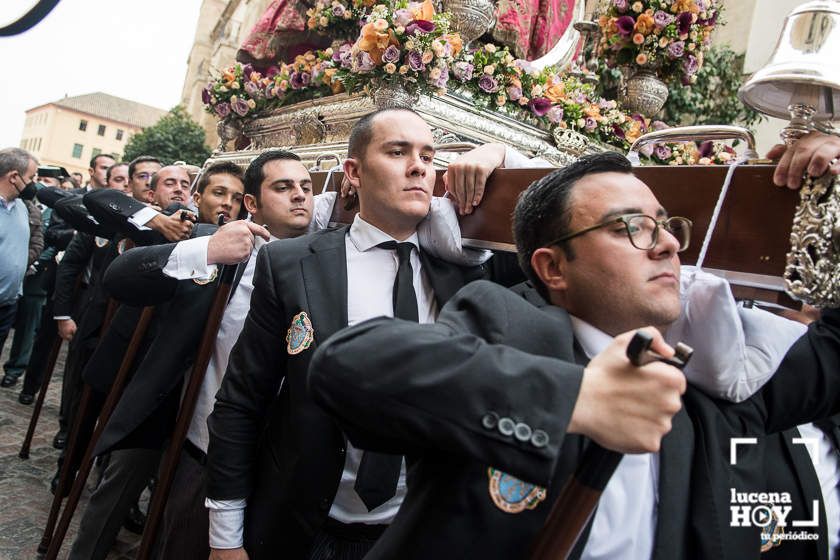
point(300, 334)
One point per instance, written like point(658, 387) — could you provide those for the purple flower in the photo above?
point(295, 81)
point(641, 120)
point(271, 71)
point(706, 148)
point(269, 91)
point(661, 19)
point(463, 71)
point(625, 25)
point(539, 106)
point(247, 69)
point(662, 151)
point(620, 5)
point(415, 61)
point(555, 114)
point(402, 17)
point(590, 124)
point(690, 65)
point(305, 78)
point(658, 125)
point(240, 107)
point(442, 80)
point(205, 95)
point(391, 54)
point(420, 26)
point(618, 131)
point(684, 22)
point(363, 62)
point(222, 109)
point(252, 89)
point(646, 150)
point(676, 49)
point(488, 83)
point(338, 10)
point(514, 93)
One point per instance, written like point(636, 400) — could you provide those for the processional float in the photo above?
point(745, 227)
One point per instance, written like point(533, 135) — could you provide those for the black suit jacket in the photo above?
point(291, 482)
point(144, 415)
point(494, 353)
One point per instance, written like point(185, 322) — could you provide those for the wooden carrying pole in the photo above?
point(72, 439)
point(173, 452)
point(42, 394)
point(53, 541)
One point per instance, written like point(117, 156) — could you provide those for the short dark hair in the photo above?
point(96, 157)
point(71, 180)
point(542, 213)
point(254, 175)
point(109, 170)
point(221, 168)
point(132, 167)
point(362, 132)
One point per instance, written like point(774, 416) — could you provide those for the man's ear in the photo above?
point(549, 264)
point(352, 166)
point(250, 203)
point(196, 196)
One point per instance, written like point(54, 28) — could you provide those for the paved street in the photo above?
point(25, 485)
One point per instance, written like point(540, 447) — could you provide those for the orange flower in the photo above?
point(555, 93)
point(644, 24)
point(374, 42)
point(455, 42)
point(592, 111)
point(638, 39)
point(426, 11)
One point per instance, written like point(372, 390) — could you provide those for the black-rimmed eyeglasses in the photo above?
point(643, 230)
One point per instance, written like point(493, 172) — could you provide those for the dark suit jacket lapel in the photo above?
point(809, 484)
point(325, 282)
point(675, 460)
point(446, 278)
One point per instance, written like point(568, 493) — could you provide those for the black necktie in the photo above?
point(376, 481)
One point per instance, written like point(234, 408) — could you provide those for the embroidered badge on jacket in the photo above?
point(300, 334)
point(203, 281)
point(512, 495)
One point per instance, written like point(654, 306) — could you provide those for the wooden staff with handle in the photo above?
point(185, 412)
point(579, 497)
point(52, 542)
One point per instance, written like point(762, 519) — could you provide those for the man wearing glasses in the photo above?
point(505, 405)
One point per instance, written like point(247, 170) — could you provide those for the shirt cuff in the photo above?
point(227, 523)
point(515, 159)
point(189, 260)
point(62, 318)
point(140, 218)
point(324, 203)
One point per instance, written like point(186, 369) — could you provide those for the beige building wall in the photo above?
point(53, 134)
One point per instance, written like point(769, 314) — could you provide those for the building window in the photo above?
point(82, 125)
point(119, 134)
point(101, 130)
point(95, 152)
point(77, 150)
point(38, 148)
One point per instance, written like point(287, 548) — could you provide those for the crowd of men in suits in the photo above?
point(377, 390)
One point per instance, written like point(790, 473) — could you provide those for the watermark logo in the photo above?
point(770, 511)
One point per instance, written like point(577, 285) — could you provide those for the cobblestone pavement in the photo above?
point(25, 485)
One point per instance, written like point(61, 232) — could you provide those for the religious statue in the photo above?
point(529, 27)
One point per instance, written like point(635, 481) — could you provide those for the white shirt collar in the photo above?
point(366, 236)
point(593, 341)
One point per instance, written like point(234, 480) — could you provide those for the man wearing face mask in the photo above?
point(17, 171)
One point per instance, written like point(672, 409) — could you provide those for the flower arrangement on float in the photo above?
point(411, 45)
point(668, 37)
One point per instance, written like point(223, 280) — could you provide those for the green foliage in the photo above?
point(713, 98)
point(174, 137)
